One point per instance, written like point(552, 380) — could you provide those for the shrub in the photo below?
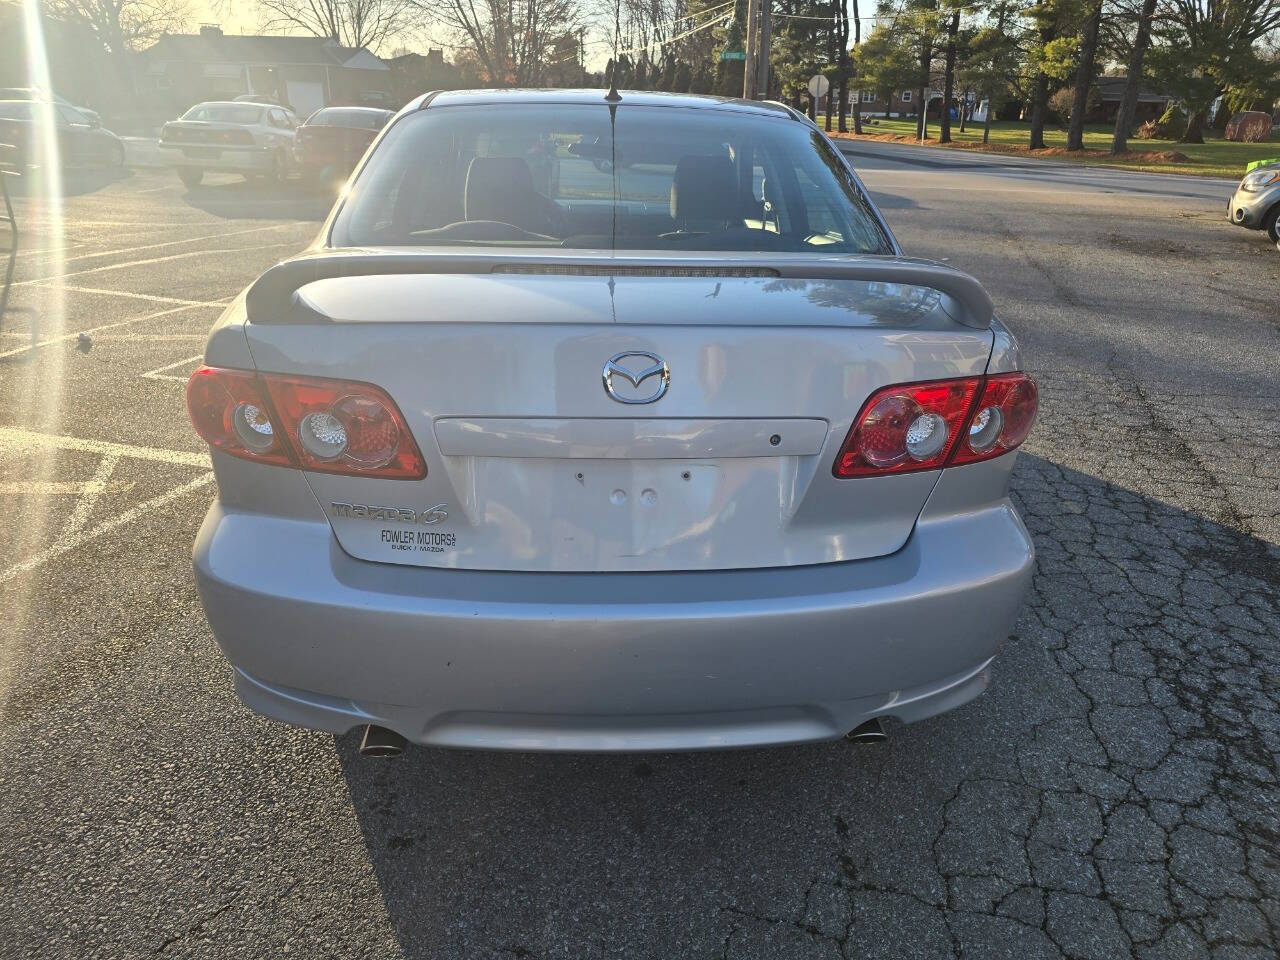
point(1172, 122)
point(1060, 104)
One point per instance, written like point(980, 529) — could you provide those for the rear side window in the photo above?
point(16, 111)
point(243, 113)
point(565, 175)
point(360, 119)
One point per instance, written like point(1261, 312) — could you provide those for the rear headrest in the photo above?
point(704, 188)
point(498, 188)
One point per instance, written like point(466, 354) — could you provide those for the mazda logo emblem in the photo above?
point(657, 367)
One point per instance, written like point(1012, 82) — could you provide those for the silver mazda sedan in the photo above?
point(609, 422)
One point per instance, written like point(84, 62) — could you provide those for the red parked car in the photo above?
point(333, 139)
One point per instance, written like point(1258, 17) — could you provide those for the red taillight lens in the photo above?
point(1002, 418)
point(926, 426)
point(907, 428)
point(329, 426)
point(230, 411)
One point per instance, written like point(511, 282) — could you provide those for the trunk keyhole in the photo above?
point(775, 440)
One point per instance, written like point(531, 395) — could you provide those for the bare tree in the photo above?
point(123, 25)
point(352, 23)
point(511, 40)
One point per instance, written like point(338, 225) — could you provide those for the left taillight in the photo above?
point(940, 423)
point(317, 424)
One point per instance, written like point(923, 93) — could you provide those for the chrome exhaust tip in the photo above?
point(381, 742)
point(871, 731)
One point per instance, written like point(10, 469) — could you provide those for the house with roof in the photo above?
point(1151, 103)
point(305, 73)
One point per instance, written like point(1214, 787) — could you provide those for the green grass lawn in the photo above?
point(1213, 158)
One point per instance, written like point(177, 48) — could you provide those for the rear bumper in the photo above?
point(220, 158)
point(633, 661)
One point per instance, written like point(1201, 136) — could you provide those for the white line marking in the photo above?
point(15, 440)
point(67, 544)
point(150, 337)
point(159, 372)
point(106, 326)
point(166, 243)
point(93, 489)
point(58, 488)
point(151, 260)
point(140, 296)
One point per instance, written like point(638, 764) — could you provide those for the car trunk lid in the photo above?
point(539, 457)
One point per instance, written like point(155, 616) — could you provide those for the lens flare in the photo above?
point(36, 377)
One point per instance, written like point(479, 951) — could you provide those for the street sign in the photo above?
point(818, 86)
point(733, 54)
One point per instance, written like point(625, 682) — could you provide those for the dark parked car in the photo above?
point(82, 141)
point(35, 93)
point(333, 140)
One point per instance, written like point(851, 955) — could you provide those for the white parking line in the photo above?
point(151, 337)
point(68, 543)
point(93, 489)
point(14, 440)
point(152, 260)
point(149, 297)
point(105, 326)
point(159, 372)
point(156, 246)
point(17, 441)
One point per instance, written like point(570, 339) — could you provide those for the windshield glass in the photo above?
point(361, 119)
point(566, 175)
point(245, 113)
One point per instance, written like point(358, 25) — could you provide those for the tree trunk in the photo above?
point(1039, 104)
point(949, 78)
point(1195, 127)
point(857, 42)
point(986, 125)
point(1129, 101)
point(1040, 96)
point(1084, 78)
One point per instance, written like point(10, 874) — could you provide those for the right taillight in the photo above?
point(322, 425)
point(1001, 418)
point(926, 426)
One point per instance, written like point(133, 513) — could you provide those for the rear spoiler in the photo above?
point(272, 298)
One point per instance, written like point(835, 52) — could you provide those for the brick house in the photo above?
point(305, 73)
point(902, 103)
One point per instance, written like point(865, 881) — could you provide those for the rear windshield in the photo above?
point(564, 175)
point(245, 113)
point(362, 119)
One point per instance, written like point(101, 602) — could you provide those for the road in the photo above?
point(1113, 794)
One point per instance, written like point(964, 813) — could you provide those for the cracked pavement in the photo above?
point(1114, 794)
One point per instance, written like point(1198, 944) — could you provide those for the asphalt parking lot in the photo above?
point(1113, 794)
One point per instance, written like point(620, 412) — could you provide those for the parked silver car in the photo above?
point(250, 138)
point(600, 424)
point(1256, 202)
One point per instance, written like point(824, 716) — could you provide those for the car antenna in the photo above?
point(613, 96)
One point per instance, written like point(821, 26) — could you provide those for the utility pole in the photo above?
point(764, 33)
point(749, 45)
